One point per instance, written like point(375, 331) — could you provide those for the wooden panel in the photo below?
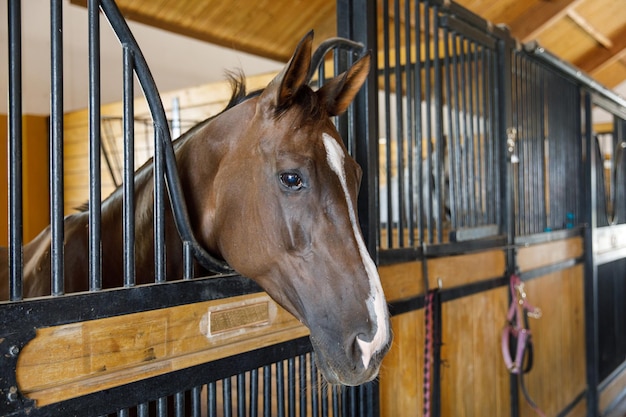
point(402, 281)
point(474, 377)
point(34, 176)
point(537, 256)
point(402, 371)
point(67, 361)
point(459, 270)
point(558, 374)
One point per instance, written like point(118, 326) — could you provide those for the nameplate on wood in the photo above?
point(235, 318)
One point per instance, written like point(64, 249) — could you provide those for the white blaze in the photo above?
point(376, 303)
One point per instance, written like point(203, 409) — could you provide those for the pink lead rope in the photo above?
point(517, 329)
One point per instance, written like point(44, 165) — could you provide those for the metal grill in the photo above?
point(439, 175)
point(547, 165)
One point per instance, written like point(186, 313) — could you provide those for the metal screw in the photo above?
point(14, 350)
point(12, 394)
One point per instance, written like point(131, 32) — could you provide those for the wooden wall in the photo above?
point(35, 176)
point(474, 379)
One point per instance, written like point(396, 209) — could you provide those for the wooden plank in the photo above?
point(474, 377)
point(558, 374)
point(402, 281)
point(402, 371)
point(549, 253)
point(465, 269)
point(64, 362)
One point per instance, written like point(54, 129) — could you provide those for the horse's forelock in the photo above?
point(306, 101)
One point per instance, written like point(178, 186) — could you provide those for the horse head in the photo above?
point(283, 213)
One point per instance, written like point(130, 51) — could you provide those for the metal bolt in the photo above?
point(12, 394)
point(14, 350)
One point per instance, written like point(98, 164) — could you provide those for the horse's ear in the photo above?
point(338, 93)
point(293, 76)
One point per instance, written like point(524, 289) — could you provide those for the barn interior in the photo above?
point(459, 195)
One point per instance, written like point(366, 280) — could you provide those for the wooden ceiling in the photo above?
point(590, 34)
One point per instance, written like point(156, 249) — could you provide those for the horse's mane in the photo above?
point(239, 94)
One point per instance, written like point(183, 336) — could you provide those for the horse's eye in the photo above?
point(291, 181)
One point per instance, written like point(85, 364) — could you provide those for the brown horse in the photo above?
point(271, 190)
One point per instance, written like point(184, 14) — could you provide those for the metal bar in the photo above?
point(227, 405)
point(280, 389)
point(427, 176)
point(291, 387)
point(128, 209)
point(419, 157)
point(412, 106)
point(161, 407)
point(196, 402)
point(159, 206)
point(241, 394)
point(438, 134)
point(56, 138)
point(254, 392)
point(388, 136)
point(302, 384)
point(314, 386)
point(142, 410)
point(267, 391)
point(399, 119)
point(179, 404)
point(15, 150)
point(211, 394)
point(95, 193)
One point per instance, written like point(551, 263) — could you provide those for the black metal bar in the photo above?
point(254, 392)
point(128, 208)
point(227, 405)
point(159, 206)
point(267, 391)
point(56, 148)
point(179, 404)
point(291, 387)
point(15, 150)
point(241, 394)
point(212, 399)
point(95, 184)
point(438, 134)
point(302, 384)
point(280, 389)
point(196, 402)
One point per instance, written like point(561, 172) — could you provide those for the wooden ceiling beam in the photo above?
point(540, 17)
point(591, 31)
point(597, 57)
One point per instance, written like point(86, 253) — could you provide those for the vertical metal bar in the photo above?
point(227, 405)
point(241, 394)
point(336, 393)
point(428, 174)
point(196, 403)
point(211, 399)
point(470, 148)
point(142, 410)
point(411, 107)
point(95, 193)
point(314, 387)
point(56, 137)
point(451, 131)
point(15, 150)
point(399, 119)
point(291, 387)
point(129, 169)
point(161, 407)
point(280, 389)
point(419, 156)
point(302, 381)
point(438, 133)
point(388, 135)
point(267, 391)
point(179, 404)
point(159, 206)
point(254, 393)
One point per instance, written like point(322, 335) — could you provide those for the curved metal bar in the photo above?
point(326, 46)
point(179, 207)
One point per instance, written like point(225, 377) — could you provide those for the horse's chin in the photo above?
point(344, 372)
